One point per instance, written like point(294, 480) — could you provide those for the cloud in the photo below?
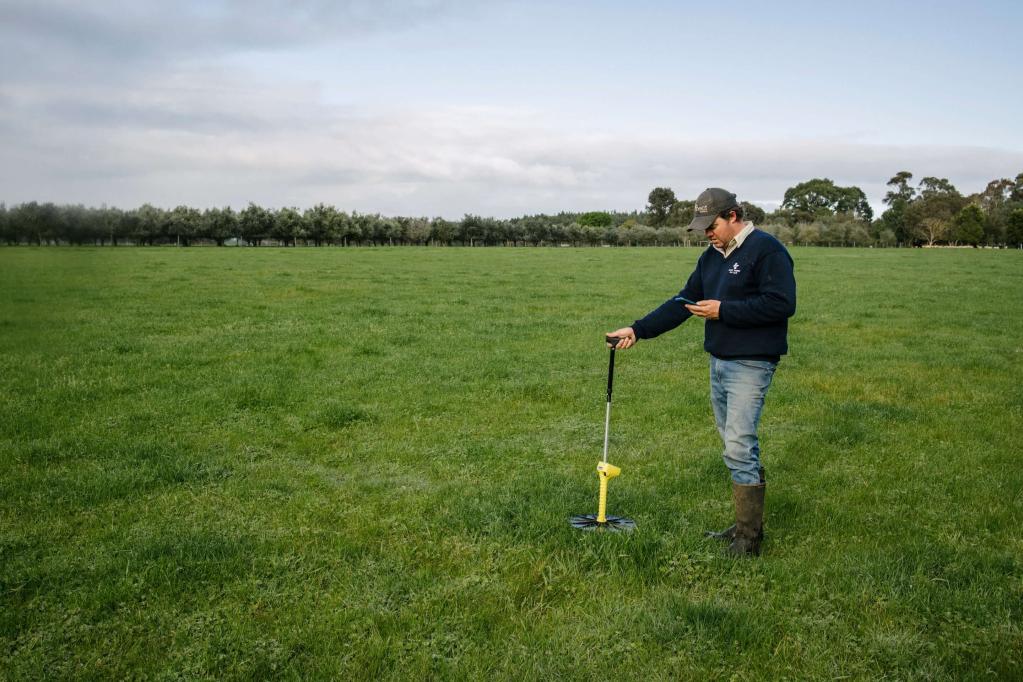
point(211, 144)
point(126, 32)
point(151, 102)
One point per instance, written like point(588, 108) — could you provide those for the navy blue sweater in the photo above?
point(757, 291)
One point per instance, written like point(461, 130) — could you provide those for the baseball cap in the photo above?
point(711, 203)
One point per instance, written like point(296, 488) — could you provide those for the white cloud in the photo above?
point(149, 112)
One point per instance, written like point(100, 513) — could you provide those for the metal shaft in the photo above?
point(607, 427)
point(607, 414)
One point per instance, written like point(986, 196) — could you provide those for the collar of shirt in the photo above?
point(736, 241)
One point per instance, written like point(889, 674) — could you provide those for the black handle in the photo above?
point(611, 367)
point(613, 340)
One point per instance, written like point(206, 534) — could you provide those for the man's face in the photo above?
point(722, 231)
point(715, 233)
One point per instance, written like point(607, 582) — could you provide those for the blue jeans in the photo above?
point(737, 391)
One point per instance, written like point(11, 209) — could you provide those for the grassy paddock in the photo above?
point(359, 464)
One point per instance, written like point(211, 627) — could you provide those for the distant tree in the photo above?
point(109, 225)
point(1017, 189)
point(936, 187)
point(898, 199)
point(350, 228)
point(442, 231)
point(6, 233)
point(418, 230)
point(596, 219)
point(673, 236)
point(844, 229)
point(363, 226)
point(901, 190)
point(185, 224)
point(782, 216)
point(626, 234)
point(219, 224)
point(933, 229)
point(659, 204)
point(681, 213)
point(392, 230)
point(470, 229)
point(1014, 228)
point(378, 229)
point(72, 224)
point(644, 235)
point(929, 216)
point(149, 224)
point(819, 197)
point(774, 228)
point(320, 223)
point(516, 231)
point(288, 226)
point(255, 223)
point(887, 238)
point(593, 234)
point(535, 229)
point(968, 225)
point(753, 213)
point(995, 195)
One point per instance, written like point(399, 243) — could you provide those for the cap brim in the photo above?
point(701, 223)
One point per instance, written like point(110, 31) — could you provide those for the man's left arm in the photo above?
point(775, 300)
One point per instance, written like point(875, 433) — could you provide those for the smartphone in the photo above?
point(683, 299)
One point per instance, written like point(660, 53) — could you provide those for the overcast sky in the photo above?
point(446, 107)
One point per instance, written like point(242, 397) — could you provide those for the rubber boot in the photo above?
point(749, 518)
point(728, 534)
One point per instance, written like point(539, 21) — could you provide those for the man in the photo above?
point(744, 289)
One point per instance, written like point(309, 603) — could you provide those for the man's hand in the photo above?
point(626, 338)
point(708, 309)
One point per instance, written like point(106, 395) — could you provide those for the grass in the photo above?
point(359, 464)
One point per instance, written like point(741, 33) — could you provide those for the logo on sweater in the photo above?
point(734, 270)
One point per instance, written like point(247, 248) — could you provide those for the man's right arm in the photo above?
point(671, 313)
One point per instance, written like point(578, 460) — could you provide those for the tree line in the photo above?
point(815, 212)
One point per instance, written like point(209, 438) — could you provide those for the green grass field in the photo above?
point(359, 464)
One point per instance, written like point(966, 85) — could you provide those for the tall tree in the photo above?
point(897, 199)
point(1017, 189)
point(1014, 228)
point(820, 197)
point(902, 191)
point(995, 195)
point(929, 216)
point(968, 225)
point(659, 204)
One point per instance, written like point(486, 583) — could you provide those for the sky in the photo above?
point(447, 107)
